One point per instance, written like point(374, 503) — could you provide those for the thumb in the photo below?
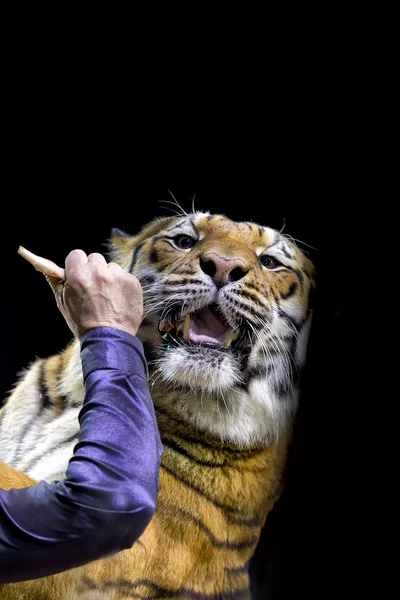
point(56, 285)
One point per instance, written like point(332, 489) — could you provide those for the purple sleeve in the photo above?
point(109, 494)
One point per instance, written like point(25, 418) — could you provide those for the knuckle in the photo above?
point(103, 277)
point(113, 266)
point(97, 268)
point(77, 252)
point(96, 255)
point(100, 273)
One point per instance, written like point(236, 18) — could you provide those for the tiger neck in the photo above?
point(249, 480)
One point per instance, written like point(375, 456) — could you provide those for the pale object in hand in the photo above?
point(42, 264)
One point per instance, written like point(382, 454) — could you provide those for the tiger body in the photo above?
point(225, 331)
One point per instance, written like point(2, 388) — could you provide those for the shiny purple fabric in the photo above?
point(109, 494)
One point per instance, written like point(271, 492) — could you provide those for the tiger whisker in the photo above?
point(182, 212)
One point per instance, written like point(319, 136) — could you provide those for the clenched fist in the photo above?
point(97, 294)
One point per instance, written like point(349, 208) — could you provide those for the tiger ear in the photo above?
point(121, 245)
point(115, 232)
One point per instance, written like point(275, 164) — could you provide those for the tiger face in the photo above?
point(226, 322)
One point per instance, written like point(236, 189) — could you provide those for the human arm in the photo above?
point(109, 493)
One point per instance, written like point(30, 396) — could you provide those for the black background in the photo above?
point(98, 145)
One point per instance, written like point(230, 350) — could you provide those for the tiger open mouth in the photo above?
point(206, 326)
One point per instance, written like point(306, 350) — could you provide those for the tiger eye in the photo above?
point(269, 262)
point(185, 242)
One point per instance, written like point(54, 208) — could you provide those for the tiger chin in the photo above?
point(227, 318)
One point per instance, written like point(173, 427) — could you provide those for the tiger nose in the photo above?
point(223, 270)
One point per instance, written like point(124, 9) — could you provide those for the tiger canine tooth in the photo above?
point(229, 339)
point(186, 325)
point(165, 326)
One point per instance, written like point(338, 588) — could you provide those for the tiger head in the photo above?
point(227, 318)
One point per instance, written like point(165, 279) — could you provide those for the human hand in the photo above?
point(95, 293)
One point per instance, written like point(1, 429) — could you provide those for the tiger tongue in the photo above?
point(206, 327)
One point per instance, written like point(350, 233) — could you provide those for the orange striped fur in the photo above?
point(224, 415)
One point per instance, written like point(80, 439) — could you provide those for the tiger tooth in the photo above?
point(229, 339)
point(165, 326)
point(186, 325)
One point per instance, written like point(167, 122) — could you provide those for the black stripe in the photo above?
point(220, 505)
point(135, 257)
point(186, 281)
point(260, 231)
point(44, 397)
point(213, 447)
point(258, 372)
point(74, 403)
point(176, 225)
point(185, 272)
point(187, 437)
point(275, 297)
point(153, 258)
point(252, 286)
point(255, 522)
point(64, 399)
point(242, 569)
point(247, 522)
point(299, 275)
point(290, 292)
point(193, 440)
point(174, 446)
point(252, 298)
point(246, 311)
point(285, 252)
point(129, 588)
point(225, 544)
point(147, 279)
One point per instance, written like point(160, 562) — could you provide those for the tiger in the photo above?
point(227, 317)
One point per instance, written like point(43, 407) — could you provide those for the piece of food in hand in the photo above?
point(42, 264)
